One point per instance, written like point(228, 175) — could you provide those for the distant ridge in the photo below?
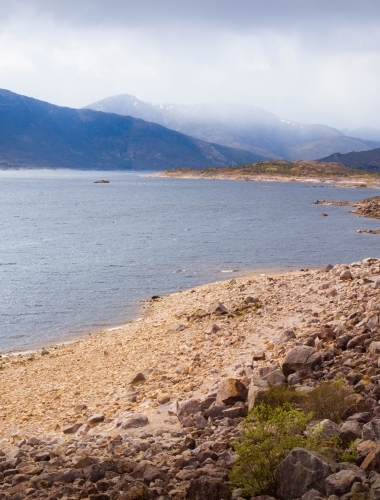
point(239, 126)
point(36, 134)
point(364, 160)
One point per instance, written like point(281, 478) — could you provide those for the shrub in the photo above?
point(280, 395)
point(268, 435)
point(329, 400)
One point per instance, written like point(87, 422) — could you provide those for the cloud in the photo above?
point(306, 60)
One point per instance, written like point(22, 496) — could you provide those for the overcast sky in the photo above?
point(316, 61)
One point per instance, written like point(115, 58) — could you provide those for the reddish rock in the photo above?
point(230, 391)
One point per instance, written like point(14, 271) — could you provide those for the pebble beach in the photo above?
point(139, 393)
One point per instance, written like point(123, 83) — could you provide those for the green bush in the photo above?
point(268, 435)
point(329, 400)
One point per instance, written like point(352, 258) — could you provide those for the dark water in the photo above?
point(77, 256)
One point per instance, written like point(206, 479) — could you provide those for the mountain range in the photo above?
point(36, 134)
point(241, 126)
point(364, 160)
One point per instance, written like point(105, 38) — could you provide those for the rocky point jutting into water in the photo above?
point(150, 410)
point(369, 207)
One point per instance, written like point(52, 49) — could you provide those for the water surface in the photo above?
point(78, 256)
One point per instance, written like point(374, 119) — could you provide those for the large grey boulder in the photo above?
point(371, 431)
point(326, 429)
point(301, 357)
point(188, 408)
point(340, 483)
point(350, 431)
point(301, 471)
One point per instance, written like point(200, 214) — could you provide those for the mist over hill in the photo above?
point(36, 134)
point(239, 126)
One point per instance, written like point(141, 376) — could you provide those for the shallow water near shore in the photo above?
point(77, 256)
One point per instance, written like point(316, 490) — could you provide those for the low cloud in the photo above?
point(312, 61)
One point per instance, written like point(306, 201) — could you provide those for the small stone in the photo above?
point(346, 275)
point(132, 420)
point(212, 329)
point(258, 355)
point(136, 379)
point(218, 308)
point(95, 419)
point(73, 428)
point(42, 456)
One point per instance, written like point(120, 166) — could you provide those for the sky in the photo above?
point(314, 61)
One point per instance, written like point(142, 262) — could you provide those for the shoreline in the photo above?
point(84, 335)
point(342, 182)
point(159, 401)
point(109, 358)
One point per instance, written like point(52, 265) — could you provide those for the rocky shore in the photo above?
point(151, 410)
point(369, 207)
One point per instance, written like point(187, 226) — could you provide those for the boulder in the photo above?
point(275, 377)
point(341, 482)
point(255, 391)
point(188, 408)
point(132, 420)
point(350, 431)
point(96, 472)
point(215, 410)
point(372, 460)
point(301, 358)
point(208, 488)
point(313, 495)
point(326, 428)
point(151, 473)
point(136, 491)
point(307, 470)
point(230, 391)
point(371, 431)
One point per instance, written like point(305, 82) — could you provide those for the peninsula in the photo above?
point(284, 171)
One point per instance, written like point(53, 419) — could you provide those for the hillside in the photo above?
point(278, 169)
point(369, 160)
point(239, 126)
point(36, 134)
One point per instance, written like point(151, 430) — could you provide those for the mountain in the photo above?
point(366, 133)
point(369, 160)
point(239, 126)
point(36, 134)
